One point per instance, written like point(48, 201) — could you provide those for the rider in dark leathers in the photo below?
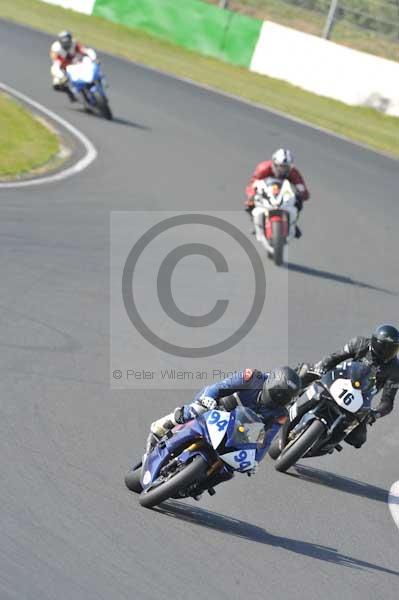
point(379, 351)
point(265, 393)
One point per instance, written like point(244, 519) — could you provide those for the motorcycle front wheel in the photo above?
point(278, 242)
point(275, 450)
point(298, 448)
point(102, 106)
point(191, 473)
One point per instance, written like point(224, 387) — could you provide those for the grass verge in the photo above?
point(361, 124)
point(25, 143)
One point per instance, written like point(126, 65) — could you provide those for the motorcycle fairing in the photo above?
point(86, 75)
point(162, 452)
point(240, 460)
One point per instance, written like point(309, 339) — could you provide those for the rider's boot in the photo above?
point(248, 210)
point(161, 426)
point(151, 442)
point(70, 94)
point(298, 232)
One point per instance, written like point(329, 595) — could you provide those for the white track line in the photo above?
point(83, 163)
point(393, 502)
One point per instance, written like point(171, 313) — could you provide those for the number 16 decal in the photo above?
point(346, 396)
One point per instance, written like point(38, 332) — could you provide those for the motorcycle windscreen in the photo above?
point(352, 385)
point(246, 430)
point(82, 72)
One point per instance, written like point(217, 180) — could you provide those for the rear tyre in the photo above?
point(293, 452)
point(132, 481)
point(278, 242)
point(194, 471)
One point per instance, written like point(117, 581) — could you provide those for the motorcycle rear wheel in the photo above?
point(132, 481)
point(292, 453)
point(191, 473)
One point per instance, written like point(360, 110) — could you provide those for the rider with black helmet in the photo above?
point(380, 350)
point(267, 394)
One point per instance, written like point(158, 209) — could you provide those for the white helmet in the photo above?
point(282, 162)
point(66, 41)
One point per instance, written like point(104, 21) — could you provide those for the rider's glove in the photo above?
point(298, 202)
point(250, 202)
point(373, 416)
point(253, 470)
point(208, 402)
point(318, 369)
point(91, 54)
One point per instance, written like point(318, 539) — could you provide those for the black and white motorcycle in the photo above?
point(331, 407)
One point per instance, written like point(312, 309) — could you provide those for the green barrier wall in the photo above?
point(190, 23)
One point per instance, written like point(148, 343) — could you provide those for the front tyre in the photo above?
point(278, 242)
point(103, 106)
point(274, 449)
point(191, 473)
point(298, 448)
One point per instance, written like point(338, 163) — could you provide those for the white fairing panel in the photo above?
point(240, 460)
point(217, 422)
point(83, 71)
point(346, 396)
point(293, 411)
point(310, 392)
point(147, 478)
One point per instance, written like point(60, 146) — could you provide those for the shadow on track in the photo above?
point(335, 277)
point(338, 482)
point(117, 120)
point(128, 123)
point(242, 529)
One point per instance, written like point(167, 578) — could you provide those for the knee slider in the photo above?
point(179, 415)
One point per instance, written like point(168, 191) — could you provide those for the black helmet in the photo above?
point(65, 39)
point(281, 386)
point(385, 342)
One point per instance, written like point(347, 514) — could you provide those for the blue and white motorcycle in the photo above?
point(86, 82)
point(194, 457)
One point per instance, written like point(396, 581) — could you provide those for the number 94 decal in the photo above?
point(241, 458)
point(216, 419)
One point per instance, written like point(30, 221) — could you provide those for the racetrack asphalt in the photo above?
point(69, 528)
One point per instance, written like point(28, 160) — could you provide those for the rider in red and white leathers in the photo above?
point(280, 166)
point(63, 52)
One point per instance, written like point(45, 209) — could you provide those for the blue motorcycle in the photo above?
point(86, 82)
point(194, 457)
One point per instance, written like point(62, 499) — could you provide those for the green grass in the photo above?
point(25, 143)
point(362, 124)
point(313, 22)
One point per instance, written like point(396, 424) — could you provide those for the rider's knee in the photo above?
point(179, 415)
point(193, 410)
